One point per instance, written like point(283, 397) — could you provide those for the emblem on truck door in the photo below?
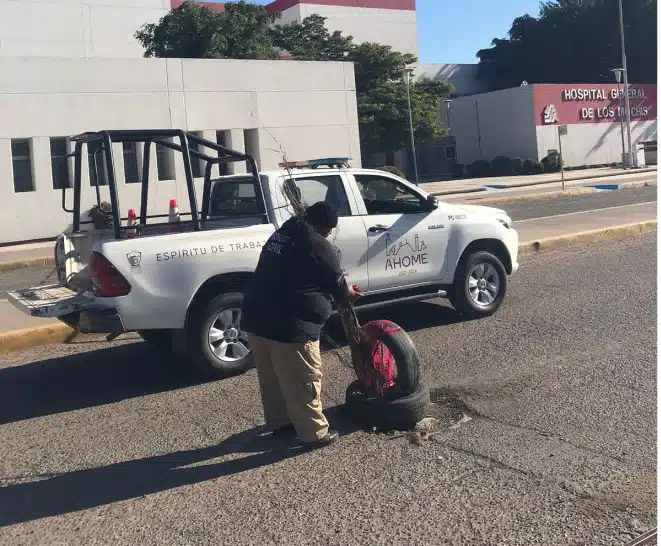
point(134, 258)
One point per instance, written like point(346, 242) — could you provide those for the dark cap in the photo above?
point(322, 215)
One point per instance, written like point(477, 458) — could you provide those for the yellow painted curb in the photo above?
point(549, 195)
point(592, 236)
point(32, 337)
point(23, 264)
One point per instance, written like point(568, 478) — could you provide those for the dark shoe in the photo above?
point(281, 432)
point(323, 442)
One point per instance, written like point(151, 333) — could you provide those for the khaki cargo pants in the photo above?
point(290, 385)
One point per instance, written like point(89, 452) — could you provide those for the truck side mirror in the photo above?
point(432, 202)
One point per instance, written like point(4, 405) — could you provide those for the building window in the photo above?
point(165, 162)
point(97, 164)
point(196, 162)
point(221, 139)
point(451, 153)
point(21, 162)
point(59, 150)
point(130, 151)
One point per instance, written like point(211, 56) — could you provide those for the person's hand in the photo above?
point(355, 292)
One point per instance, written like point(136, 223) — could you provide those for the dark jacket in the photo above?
point(297, 274)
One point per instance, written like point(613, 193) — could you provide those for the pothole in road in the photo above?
point(446, 403)
point(445, 412)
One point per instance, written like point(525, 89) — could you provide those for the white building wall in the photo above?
point(493, 124)
point(593, 144)
point(310, 108)
point(394, 27)
point(75, 28)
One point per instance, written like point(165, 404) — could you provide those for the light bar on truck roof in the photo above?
point(314, 163)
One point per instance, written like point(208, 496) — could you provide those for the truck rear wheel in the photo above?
point(216, 344)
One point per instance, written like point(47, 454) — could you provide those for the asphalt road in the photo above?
point(110, 444)
point(577, 203)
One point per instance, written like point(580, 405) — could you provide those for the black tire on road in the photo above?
point(459, 294)
point(387, 413)
point(198, 347)
point(407, 360)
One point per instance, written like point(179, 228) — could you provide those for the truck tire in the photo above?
point(215, 343)
point(385, 413)
point(480, 284)
point(402, 349)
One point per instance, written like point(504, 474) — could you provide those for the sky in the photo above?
point(453, 31)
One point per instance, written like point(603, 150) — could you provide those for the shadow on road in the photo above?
point(120, 372)
point(87, 379)
point(90, 488)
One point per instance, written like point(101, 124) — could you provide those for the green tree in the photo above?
point(242, 31)
point(573, 41)
point(380, 87)
point(311, 41)
point(383, 113)
point(246, 31)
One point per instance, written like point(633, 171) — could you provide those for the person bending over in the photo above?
point(283, 313)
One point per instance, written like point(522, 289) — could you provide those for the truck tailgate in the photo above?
point(48, 301)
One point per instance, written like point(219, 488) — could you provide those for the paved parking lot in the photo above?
point(111, 444)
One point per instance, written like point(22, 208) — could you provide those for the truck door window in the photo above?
point(387, 196)
point(234, 199)
point(328, 188)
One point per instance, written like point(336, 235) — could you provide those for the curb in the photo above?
point(552, 194)
point(33, 337)
point(61, 333)
point(593, 236)
point(24, 264)
point(527, 184)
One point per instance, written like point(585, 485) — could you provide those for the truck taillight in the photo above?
point(107, 281)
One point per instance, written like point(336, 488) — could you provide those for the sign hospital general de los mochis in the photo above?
point(592, 103)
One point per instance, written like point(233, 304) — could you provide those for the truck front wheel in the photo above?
point(216, 344)
point(480, 283)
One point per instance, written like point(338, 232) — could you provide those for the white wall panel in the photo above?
point(309, 107)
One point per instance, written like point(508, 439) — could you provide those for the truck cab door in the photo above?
point(349, 238)
point(407, 239)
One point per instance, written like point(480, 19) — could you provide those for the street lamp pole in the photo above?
point(627, 107)
point(408, 73)
point(447, 114)
point(618, 78)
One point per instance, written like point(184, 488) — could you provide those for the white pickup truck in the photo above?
point(180, 284)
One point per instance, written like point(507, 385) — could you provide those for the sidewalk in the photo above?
point(554, 189)
point(33, 254)
point(565, 225)
point(504, 182)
